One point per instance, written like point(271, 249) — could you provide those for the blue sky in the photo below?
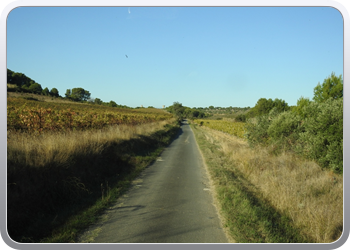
point(198, 56)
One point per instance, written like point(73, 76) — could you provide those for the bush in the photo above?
point(241, 118)
point(316, 134)
point(323, 136)
point(284, 129)
point(257, 130)
point(284, 125)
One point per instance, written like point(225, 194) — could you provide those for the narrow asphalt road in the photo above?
point(170, 202)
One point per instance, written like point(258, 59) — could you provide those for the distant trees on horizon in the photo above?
point(25, 84)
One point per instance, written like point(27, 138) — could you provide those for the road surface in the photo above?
point(170, 202)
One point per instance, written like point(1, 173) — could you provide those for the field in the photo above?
point(66, 162)
point(35, 116)
point(226, 126)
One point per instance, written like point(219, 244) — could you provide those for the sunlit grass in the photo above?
point(256, 183)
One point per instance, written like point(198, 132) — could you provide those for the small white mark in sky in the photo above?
point(129, 10)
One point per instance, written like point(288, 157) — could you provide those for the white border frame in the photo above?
point(133, 3)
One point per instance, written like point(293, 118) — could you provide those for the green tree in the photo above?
point(46, 91)
point(112, 104)
point(264, 106)
point(35, 88)
point(68, 93)
point(54, 92)
point(78, 94)
point(98, 101)
point(9, 76)
point(323, 137)
point(332, 87)
point(299, 109)
point(280, 105)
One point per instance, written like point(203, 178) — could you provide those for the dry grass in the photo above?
point(58, 147)
point(58, 183)
point(310, 196)
point(39, 97)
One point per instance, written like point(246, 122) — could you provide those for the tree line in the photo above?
point(25, 84)
point(183, 112)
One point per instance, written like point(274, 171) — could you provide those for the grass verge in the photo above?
point(271, 199)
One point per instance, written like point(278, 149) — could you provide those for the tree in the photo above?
point(46, 91)
point(264, 106)
point(9, 76)
point(35, 88)
point(54, 92)
point(332, 87)
point(68, 93)
point(78, 94)
point(299, 109)
point(280, 105)
point(112, 104)
point(98, 101)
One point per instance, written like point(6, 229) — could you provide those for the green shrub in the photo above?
point(283, 132)
point(323, 136)
point(257, 130)
point(286, 126)
point(299, 109)
point(241, 118)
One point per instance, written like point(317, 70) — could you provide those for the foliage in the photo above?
point(316, 134)
point(313, 129)
point(18, 79)
point(264, 106)
point(35, 88)
point(241, 118)
point(284, 129)
point(183, 112)
point(98, 101)
point(112, 104)
point(78, 94)
point(332, 87)
point(299, 109)
point(46, 91)
point(257, 130)
point(54, 92)
point(23, 82)
point(323, 136)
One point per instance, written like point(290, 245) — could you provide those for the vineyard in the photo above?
point(232, 128)
point(36, 117)
point(66, 162)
